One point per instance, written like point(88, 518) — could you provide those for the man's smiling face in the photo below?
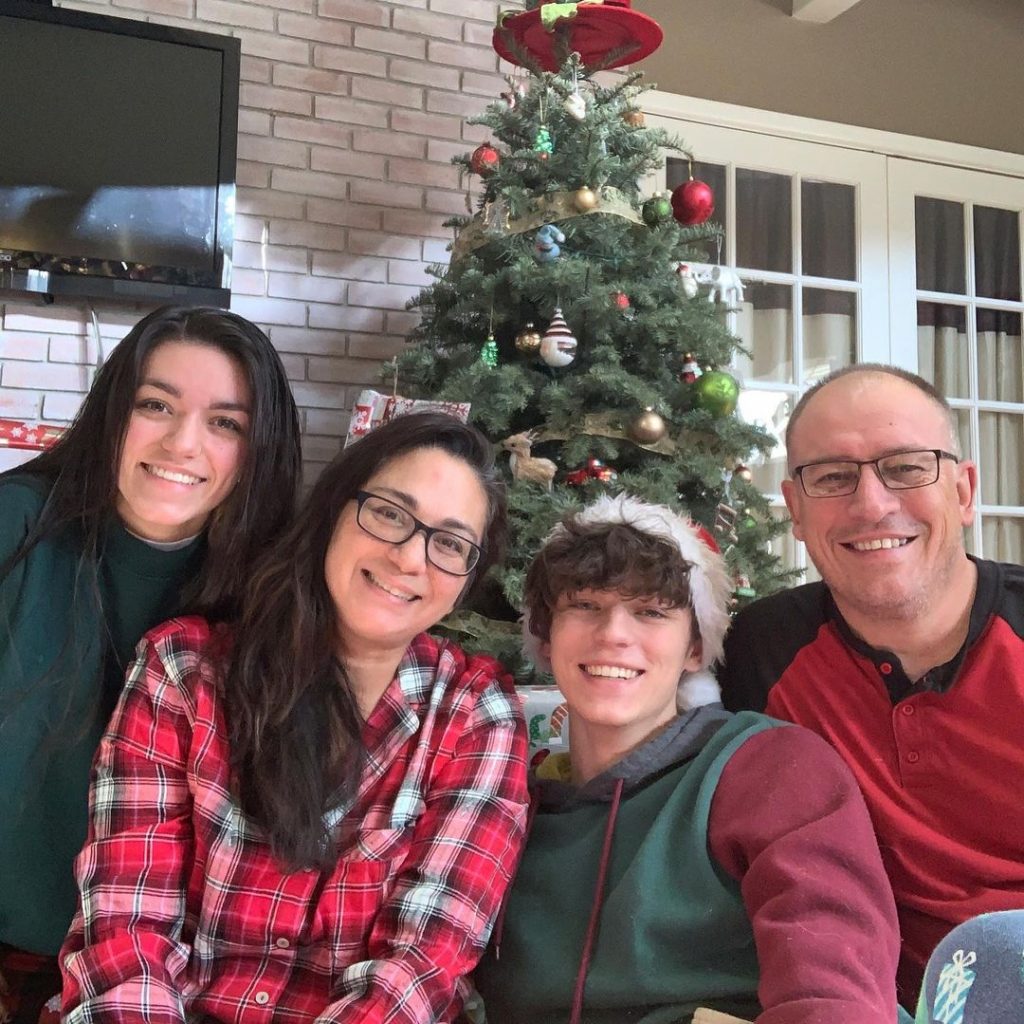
point(884, 554)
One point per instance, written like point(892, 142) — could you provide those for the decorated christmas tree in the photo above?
point(572, 316)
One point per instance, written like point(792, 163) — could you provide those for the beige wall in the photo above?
point(943, 69)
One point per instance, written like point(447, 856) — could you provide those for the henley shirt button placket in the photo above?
point(262, 997)
point(282, 943)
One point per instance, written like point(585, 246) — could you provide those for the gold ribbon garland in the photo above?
point(548, 209)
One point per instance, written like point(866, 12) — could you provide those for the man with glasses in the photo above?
point(908, 656)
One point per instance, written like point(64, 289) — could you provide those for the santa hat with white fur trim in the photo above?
point(710, 587)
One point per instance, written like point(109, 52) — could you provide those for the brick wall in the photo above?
point(350, 112)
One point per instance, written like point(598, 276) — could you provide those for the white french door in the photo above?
point(956, 312)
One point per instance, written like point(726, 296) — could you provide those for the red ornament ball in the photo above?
point(621, 300)
point(693, 202)
point(484, 160)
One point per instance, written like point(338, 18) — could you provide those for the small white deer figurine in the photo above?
point(524, 465)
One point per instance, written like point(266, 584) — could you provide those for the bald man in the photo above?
point(908, 657)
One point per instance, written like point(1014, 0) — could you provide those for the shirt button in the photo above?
point(282, 943)
point(913, 757)
point(885, 668)
point(907, 709)
point(263, 998)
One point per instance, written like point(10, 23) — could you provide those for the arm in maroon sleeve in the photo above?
point(789, 824)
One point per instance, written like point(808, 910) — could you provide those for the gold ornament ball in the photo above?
point(634, 118)
point(528, 340)
point(743, 472)
point(585, 198)
point(647, 428)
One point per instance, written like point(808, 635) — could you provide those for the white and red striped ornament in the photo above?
point(558, 346)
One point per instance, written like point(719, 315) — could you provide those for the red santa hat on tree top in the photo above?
point(710, 585)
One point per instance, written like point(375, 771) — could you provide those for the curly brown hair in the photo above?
point(604, 556)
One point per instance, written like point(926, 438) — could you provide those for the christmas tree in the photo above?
point(563, 317)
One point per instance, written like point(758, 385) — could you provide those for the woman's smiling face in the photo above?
point(385, 594)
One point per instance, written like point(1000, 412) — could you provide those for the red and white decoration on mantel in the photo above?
point(373, 409)
point(31, 436)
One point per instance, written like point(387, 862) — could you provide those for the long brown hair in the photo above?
point(293, 723)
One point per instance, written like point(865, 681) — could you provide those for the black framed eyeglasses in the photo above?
point(901, 471)
point(393, 524)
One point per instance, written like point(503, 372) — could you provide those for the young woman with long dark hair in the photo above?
point(180, 467)
point(314, 814)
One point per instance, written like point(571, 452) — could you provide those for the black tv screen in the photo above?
point(117, 156)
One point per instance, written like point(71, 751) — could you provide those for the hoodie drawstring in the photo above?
point(596, 904)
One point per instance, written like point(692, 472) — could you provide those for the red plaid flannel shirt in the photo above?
point(185, 915)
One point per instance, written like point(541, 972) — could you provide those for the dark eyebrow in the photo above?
point(407, 499)
point(170, 389)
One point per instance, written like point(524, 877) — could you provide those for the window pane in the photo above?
point(828, 229)
point(677, 172)
point(764, 220)
point(1000, 374)
point(830, 332)
point(942, 356)
point(1000, 454)
point(765, 325)
point(963, 425)
point(939, 224)
point(1003, 538)
point(997, 253)
point(771, 410)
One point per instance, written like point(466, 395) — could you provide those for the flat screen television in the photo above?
point(117, 156)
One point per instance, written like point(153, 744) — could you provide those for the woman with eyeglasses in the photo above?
point(314, 815)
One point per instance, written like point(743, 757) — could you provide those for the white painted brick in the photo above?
point(252, 175)
point(364, 12)
point(51, 319)
point(382, 193)
point(314, 236)
point(299, 286)
point(477, 33)
point(442, 152)
point(420, 172)
point(253, 122)
point(320, 29)
point(350, 267)
point(381, 296)
point(345, 371)
point(235, 15)
point(350, 111)
point(294, 367)
point(445, 202)
point(401, 322)
point(413, 222)
point(319, 396)
point(431, 125)
point(279, 101)
point(274, 47)
point(253, 256)
point(390, 42)
point(331, 424)
point(314, 183)
point(28, 347)
point(412, 272)
point(46, 376)
point(249, 229)
point(319, 449)
point(169, 8)
point(261, 202)
point(436, 26)
point(391, 143)
point(345, 318)
point(490, 86)
point(461, 55)
point(347, 161)
point(278, 152)
point(61, 407)
point(376, 346)
point(25, 405)
point(347, 214)
point(423, 74)
point(66, 348)
point(454, 103)
point(481, 10)
point(327, 133)
point(436, 252)
point(255, 69)
point(311, 79)
point(390, 93)
point(352, 61)
point(248, 282)
point(308, 341)
point(378, 244)
point(269, 311)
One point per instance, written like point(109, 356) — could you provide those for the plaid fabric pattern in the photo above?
point(185, 915)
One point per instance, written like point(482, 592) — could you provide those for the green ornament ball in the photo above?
point(656, 210)
point(716, 392)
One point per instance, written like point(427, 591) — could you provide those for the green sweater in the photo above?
point(60, 675)
point(674, 934)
